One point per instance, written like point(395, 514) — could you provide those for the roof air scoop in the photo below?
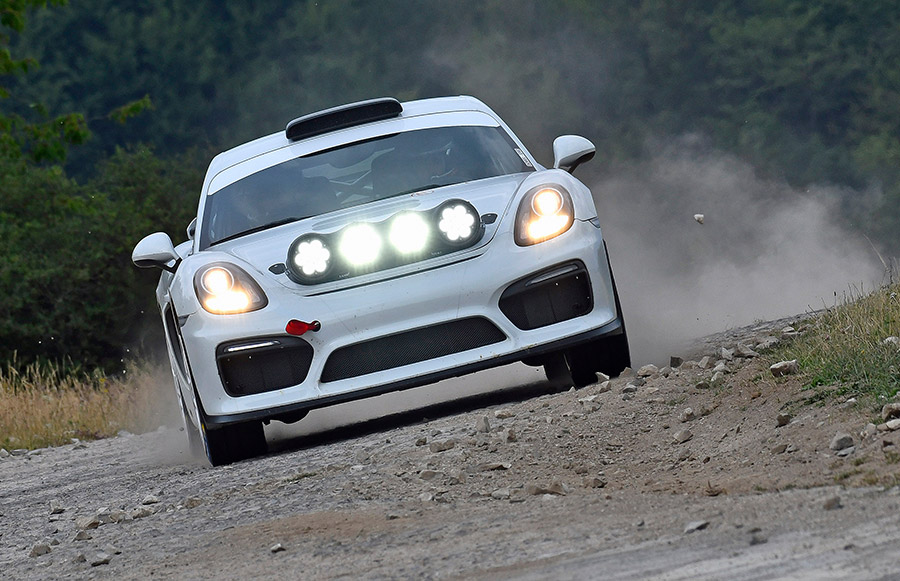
point(342, 117)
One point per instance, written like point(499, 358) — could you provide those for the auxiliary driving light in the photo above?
point(457, 222)
point(404, 238)
point(409, 233)
point(360, 244)
point(311, 257)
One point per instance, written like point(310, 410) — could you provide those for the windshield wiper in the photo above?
point(256, 229)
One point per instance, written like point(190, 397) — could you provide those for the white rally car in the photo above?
point(374, 247)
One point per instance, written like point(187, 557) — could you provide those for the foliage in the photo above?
point(67, 288)
point(49, 405)
point(67, 285)
point(844, 350)
point(807, 92)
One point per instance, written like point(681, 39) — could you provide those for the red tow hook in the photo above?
point(295, 327)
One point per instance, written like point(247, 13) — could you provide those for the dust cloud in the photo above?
point(763, 250)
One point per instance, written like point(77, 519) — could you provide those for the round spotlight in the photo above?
point(360, 244)
point(457, 222)
point(311, 257)
point(217, 280)
point(547, 202)
point(409, 233)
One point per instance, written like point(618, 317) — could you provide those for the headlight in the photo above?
point(544, 213)
point(225, 289)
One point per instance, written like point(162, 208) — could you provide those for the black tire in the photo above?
point(609, 355)
point(195, 438)
point(234, 442)
point(557, 370)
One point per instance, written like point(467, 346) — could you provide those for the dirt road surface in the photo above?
point(681, 474)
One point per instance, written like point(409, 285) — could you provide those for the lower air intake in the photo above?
point(263, 364)
point(410, 347)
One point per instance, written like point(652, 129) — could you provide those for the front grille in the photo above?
point(556, 294)
point(263, 364)
point(410, 347)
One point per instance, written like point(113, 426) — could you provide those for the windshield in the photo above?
point(357, 174)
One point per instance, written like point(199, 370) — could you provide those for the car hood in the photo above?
point(264, 249)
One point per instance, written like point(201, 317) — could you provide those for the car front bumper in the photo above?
point(408, 331)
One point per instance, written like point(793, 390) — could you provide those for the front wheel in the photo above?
point(609, 355)
point(196, 443)
point(234, 442)
point(223, 444)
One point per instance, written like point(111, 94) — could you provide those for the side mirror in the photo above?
point(192, 229)
point(570, 151)
point(156, 250)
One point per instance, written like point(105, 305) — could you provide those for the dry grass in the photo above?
point(843, 350)
point(45, 405)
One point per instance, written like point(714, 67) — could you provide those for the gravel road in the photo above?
point(672, 475)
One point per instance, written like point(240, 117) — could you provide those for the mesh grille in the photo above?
point(284, 364)
point(530, 305)
point(410, 347)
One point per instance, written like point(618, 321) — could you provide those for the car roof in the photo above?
point(278, 140)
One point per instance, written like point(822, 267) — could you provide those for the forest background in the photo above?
point(112, 109)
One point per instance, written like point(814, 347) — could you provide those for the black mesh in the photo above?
point(410, 347)
point(530, 305)
point(281, 365)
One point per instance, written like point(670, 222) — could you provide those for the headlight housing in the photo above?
point(544, 213)
point(225, 289)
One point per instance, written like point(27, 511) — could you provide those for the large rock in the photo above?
point(87, 522)
point(501, 494)
point(745, 351)
point(783, 368)
point(697, 525)
point(840, 441)
point(682, 436)
point(648, 370)
point(890, 411)
point(437, 447)
point(39, 549)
